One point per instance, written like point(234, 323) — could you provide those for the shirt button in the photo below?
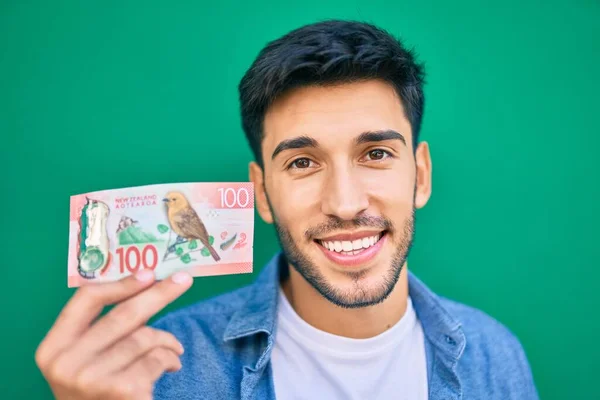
point(450, 341)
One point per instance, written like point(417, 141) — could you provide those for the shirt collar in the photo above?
point(259, 312)
point(442, 328)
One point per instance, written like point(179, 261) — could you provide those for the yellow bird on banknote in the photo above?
point(185, 222)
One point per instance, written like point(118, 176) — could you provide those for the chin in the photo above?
point(357, 285)
point(358, 289)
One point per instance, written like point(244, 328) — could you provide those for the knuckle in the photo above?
point(171, 360)
point(156, 356)
point(57, 372)
point(41, 357)
point(169, 337)
point(144, 337)
point(166, 338)
point(159, 359)
point(84, 380)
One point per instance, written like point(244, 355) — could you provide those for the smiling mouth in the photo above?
point(351, 247)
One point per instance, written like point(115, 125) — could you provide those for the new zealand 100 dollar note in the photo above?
point(203, 228)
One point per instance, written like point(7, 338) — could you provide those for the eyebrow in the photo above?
point(302, 142)
point(299, 142)
point(380, 136)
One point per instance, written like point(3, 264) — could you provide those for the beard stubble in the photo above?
point(360, 295)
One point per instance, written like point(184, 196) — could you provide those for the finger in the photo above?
point(137, 379)
point(113, 387)
point(128, 316)
point(151, 366)
point(129, 349)
point(85, 305)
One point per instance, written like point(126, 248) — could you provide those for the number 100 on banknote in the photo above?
point(204, 228)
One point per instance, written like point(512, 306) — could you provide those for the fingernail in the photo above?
point(181, 349)
point(181, 277)
point(144, 275)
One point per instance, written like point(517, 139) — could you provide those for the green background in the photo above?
point(98, 95)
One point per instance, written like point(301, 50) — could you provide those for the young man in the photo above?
point(332, 112)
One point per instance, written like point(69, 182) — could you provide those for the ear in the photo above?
point(260, 195)
point(423, 176)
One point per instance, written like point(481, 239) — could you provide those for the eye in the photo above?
point(300, 163)
point(377, 155)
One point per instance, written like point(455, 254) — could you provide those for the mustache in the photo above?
point(336, 223)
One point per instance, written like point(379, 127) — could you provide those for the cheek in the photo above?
point(295, 204)
point(389, 189)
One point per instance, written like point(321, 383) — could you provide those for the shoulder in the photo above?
point(493, 357)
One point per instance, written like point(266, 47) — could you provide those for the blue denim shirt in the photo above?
point(228, 342)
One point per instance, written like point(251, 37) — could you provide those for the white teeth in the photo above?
point(366, 242)
point(351, 247)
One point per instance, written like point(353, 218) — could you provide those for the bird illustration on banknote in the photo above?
point(185, 222)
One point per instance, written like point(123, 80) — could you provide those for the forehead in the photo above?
point(334, 113)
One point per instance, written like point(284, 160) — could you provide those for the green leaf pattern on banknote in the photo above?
point(205, 252)
point(162, 228)
point(186, 258)
point(193, 244)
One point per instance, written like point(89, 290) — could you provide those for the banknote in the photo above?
point(204, 228)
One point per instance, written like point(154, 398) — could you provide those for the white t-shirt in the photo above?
point(312, 364)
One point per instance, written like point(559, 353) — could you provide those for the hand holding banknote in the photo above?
point(138, 249)
point(118, 356)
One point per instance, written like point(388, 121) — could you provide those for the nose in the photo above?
point(344, 195)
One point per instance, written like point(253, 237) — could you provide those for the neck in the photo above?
point(359, 323)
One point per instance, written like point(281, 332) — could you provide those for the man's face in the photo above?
point(341, 185)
